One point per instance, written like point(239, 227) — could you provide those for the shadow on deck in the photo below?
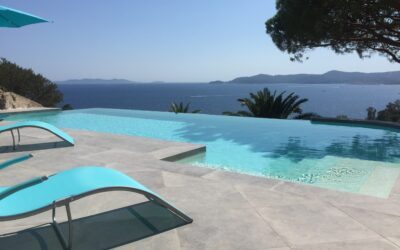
point(34, 146)
point(101, 231)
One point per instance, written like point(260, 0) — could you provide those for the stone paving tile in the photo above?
point(394, 197)
point(167, 241)
point(229, 229)
point(396, 188)
point(10, 155)
point(314, 222)
point(180, 180)
point(236, 178)
point(352, 245)
point(260, 197)
point(204, 196)
point(154, 179)
point(184, 169)
point(122, 156)
point(37, 133)
point(104, 202)
point(276, 248)
point(12, 230)
point(28, 144)
point(49, 165)
point(137, 144)
point(325, 194)
point(395, 240)
point(78, 151)
point(17, 174)
point(5, 140)
point(383, 224)
point(390, 206)
point(25, 223)
point(384, 206)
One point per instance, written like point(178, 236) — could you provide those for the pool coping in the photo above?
point(173, 154)
point(27, 110)
point(358, 122)
point(316, 120)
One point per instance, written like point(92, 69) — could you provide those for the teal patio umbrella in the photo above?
point(14, 18)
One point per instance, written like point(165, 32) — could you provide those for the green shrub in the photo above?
point(391, 113)
point(27, 83)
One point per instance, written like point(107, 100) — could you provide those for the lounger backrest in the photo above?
point(10, 190)
point(15, 160)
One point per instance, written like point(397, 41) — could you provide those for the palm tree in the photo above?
point(272, 105)
point(371, 113)
point(181, 108)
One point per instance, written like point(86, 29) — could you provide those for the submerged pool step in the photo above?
point(381, 180)
point(366, 177)
point(178, 152)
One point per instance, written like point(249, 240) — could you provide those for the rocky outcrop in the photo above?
point(10, 100)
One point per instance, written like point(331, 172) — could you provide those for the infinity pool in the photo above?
point(347, 158)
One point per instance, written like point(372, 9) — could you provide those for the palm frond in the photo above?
point(181, 108)
point(266, 104)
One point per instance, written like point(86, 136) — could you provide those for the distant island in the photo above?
point(333, 76)
point(96, 81)
point(329, 77)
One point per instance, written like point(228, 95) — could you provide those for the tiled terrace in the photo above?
point(230, 211)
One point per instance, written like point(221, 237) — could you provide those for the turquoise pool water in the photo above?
point(347, 158)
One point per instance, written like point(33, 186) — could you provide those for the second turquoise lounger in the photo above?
point(35, 124)
point(15, 160)
point(49, 192)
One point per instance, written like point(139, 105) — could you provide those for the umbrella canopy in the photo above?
point(15, 18)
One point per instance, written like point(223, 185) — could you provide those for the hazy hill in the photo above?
point(96, 81)
point(329, 77)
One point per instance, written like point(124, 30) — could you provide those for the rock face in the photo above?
point(10, 100)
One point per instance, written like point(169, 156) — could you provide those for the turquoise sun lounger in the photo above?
point(15, 160)
point(49, 192)
point(35, 124)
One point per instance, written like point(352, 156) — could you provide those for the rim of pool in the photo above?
point(363, 159)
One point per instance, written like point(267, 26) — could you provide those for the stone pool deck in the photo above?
point(230, 211)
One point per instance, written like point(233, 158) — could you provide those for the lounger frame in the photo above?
point(66, 242)
point(65, 202)
point(15, 144)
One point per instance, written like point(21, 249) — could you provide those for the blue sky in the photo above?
point(158, 40)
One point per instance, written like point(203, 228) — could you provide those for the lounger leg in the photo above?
point(66, 244)
point(19, 136)
point(13, 137)
point(70, 229)
point(170, 208)
point(12, 134)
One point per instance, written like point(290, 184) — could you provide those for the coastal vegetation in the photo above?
point(390, 113)
point(67, 107)
point(266, 104)
point(364, 26)
point(29, 84)
point(182, 108)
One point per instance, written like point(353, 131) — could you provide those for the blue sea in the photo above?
point(324, 99)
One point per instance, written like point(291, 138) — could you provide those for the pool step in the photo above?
point(381, 180)
point(176, 153)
